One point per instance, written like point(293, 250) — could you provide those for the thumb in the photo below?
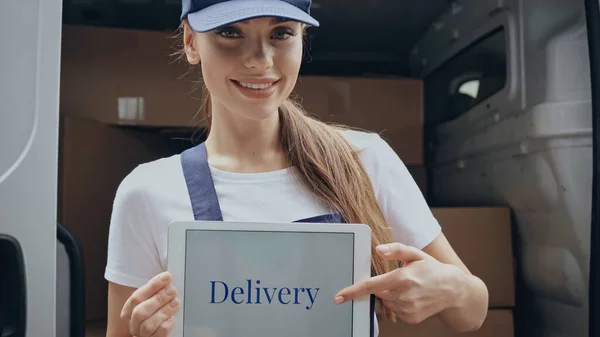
point(400, 252)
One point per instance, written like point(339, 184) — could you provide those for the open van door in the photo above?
point(30, 34)
point(592, 8)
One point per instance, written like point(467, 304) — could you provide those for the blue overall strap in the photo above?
point(201, 188)
point(205, 203)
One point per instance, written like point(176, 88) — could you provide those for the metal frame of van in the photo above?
point(592, 10)
point(29, 92)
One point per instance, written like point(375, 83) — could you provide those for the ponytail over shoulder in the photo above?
point(326, 163)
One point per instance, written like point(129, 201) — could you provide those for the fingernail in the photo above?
point(383, 249)
point(174, 303)
point(339, 299)
point(164, 277)
point(170, 290)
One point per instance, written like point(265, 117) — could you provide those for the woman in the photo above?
point(271, 162)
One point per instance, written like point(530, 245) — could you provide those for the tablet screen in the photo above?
point(257, 284)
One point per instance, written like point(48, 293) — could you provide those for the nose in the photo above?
point(260, 55)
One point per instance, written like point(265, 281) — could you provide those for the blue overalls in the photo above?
point(205, 203)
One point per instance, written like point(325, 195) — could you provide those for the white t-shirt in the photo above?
point(155, 193)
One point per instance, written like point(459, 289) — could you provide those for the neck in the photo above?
point(243, 145)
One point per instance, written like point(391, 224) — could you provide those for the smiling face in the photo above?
point(250, 67)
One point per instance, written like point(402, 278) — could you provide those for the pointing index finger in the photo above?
point(366, 287)
point(400, 252)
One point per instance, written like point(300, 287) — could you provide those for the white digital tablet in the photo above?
point(267, 280)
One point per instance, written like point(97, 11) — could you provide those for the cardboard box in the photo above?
point(499, 323)
point(126, 76)
point(481, 236)
point(94, 158)
point(390, 107)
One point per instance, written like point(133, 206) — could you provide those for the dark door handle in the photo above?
point(13, 290)
point(77, 283)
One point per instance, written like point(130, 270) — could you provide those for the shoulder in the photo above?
point(397, 193)
point(148, 178)
point(137, 222)
point(361, 140)
point(375, 153)
point(156, 169)
point(368, 144)
point(380, 161)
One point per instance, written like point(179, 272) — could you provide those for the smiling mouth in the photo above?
point(255, 86)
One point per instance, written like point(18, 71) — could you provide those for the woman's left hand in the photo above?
point(420, 289)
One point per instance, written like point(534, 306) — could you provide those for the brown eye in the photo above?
point(282, 33)
point(228, 32)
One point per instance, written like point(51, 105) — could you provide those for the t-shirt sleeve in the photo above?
point(132, 258)
point(398, 195)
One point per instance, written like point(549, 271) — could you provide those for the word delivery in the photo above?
point(245, 295)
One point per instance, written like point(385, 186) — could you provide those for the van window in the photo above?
point(467, 79)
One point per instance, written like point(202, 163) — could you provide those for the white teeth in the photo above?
point(256, 86)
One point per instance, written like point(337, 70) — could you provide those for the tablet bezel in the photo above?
point(176, 248)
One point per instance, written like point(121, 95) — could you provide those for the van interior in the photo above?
point(488, 103)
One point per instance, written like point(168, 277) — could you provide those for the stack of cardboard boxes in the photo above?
point(481, 237)
point(122, 94)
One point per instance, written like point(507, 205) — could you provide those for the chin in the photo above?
point(258, 112)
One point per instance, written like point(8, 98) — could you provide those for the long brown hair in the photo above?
point(326, 163)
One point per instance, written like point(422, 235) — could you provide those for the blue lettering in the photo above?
point(212, 297)
point(274, 295)
point(281, 293)
point(249, 293)
point(235, 292)
point(269, 298)
point(257, 291)
point(296, 296)
point(312, 299)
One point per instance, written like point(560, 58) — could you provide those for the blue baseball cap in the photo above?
point(206, 15)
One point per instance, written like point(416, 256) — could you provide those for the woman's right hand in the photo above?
point(150, 310)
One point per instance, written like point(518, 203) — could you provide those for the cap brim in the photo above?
point(229, 12)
